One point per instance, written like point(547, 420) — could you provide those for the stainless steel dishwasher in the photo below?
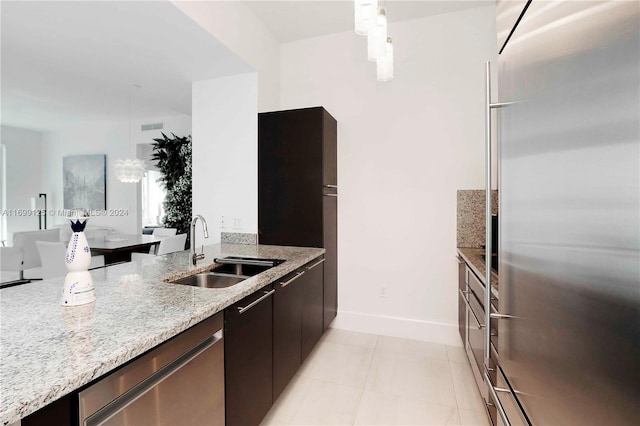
point(181, 382)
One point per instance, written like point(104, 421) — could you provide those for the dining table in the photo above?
point(118, 248)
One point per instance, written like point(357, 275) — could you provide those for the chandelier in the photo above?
point(130, 170)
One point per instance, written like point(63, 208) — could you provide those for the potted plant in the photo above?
point(173, 158)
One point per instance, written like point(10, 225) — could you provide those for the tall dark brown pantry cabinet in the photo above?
point(298, 187)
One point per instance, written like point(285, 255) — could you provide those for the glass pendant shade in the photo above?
point(365, 15)
point(384, 66)
point(377, 37)
point(130, 171)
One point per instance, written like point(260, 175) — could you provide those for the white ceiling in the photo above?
point(296, 20)
point(65, 62)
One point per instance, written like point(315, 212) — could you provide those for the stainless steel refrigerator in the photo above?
point(569, 150)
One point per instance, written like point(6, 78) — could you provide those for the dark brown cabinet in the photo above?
point(330, 208)
point(248, 354)
point(287, 330)
point(312, 307)
point(297, 187)
point(297, 321)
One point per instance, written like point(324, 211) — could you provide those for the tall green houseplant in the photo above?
point(173, 158)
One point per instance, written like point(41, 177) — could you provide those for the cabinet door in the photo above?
point(290, 173)
point(329, 149)
point(248, 354)
point(330, 231)
point(312, 306)
point(287, 330)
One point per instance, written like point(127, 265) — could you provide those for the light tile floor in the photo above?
point(363, 379)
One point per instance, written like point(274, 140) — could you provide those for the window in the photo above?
point(153, 194)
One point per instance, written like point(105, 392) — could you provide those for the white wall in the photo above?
point(111, 139)
point(85, 139)
point(236, 27)
point(23, 172)
point(225, 157)
point(179, 124)
point(404, 148)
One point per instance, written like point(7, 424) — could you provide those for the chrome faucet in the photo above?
point(194, 256)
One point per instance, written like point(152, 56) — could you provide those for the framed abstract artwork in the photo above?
point(85, 181)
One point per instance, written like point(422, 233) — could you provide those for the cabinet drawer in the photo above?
point(475, 285)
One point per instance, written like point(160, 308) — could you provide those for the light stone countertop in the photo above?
point(473, 258)
point(48, 351)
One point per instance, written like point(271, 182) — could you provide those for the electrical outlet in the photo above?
point(221, 222)
point(383, 292)
point(237, 223)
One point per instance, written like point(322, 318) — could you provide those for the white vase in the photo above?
point(78, 284)
point(78, 256)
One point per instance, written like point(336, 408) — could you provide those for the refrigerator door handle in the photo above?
point(331, 186)
point(488, 207)
point(496, 105)
point(330, 195)
point(501, 316)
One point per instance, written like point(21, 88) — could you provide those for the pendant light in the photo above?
point(365, 15)
point(130, 170)
point(377, 37)
point(372, 22)
point(384, 65)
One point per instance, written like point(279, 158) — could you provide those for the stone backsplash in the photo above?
point(238, 238)
point(471, 217)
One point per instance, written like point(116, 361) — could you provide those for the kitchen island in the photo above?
point(48, 351)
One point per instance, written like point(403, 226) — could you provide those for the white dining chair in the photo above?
point(31, 267)
point(161, 233)
point(167, 245)
point(164, 232)
point(52, 259)
point(11, 263)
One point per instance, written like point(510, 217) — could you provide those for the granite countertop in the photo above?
point(473, 257)
point(48, 351)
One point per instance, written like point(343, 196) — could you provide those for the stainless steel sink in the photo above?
point(239, 269)
point(210, 280)
point(228, 271)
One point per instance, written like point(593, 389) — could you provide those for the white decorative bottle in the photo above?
point(78, 284)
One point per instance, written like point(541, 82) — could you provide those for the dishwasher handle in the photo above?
point(136, 392)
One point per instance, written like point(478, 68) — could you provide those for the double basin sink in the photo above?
point(229, 271)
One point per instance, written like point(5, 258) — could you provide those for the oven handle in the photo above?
point(480, 326)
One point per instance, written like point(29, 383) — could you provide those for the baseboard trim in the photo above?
point(407, 328)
